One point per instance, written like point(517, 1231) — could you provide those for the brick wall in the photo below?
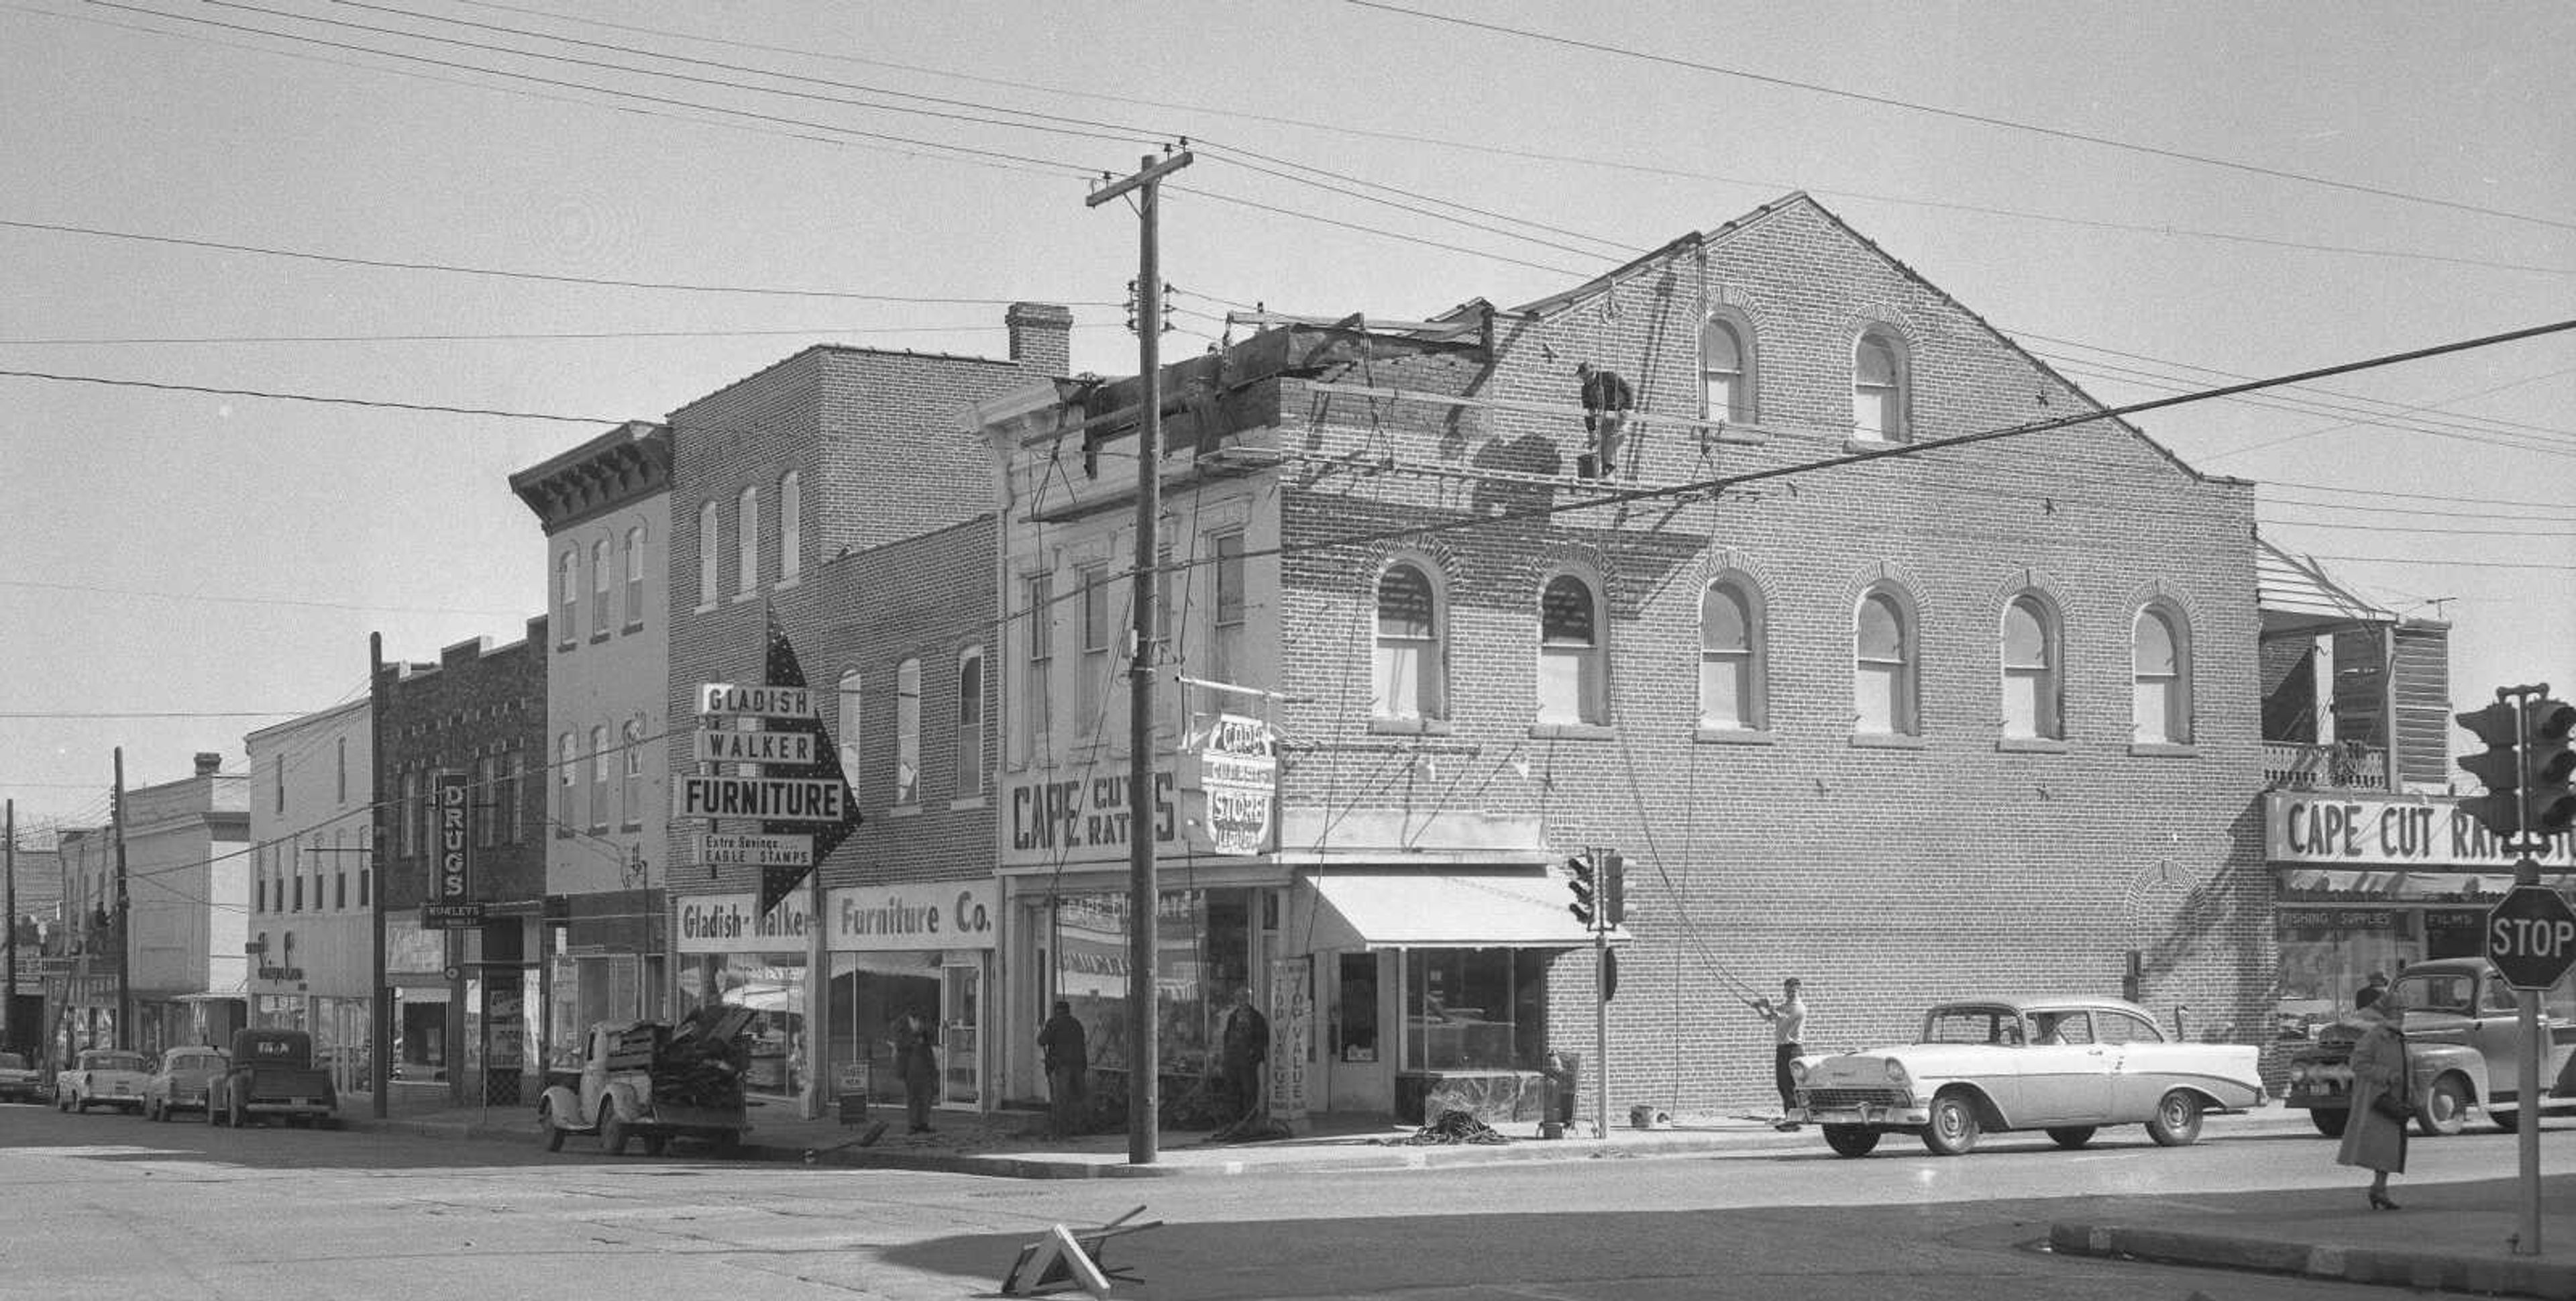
point(476, 702)
point(1886, 877)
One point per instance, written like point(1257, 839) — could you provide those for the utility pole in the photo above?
point(124, 921)
point(380, 1013)
point(1144, 1049)
point(9, 1009)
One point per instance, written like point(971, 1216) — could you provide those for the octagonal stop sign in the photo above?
point(2531, 936)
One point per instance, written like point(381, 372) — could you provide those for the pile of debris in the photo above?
point(1451, 1127)
point(699, 1063)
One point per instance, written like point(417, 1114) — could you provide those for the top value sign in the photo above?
point(756, 701)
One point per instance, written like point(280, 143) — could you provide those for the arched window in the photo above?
point(747, 540)
point(1725, 372)
point(1730, 657)
point(2034, 689)
point(631, 745)
point(2160, 659)
point(1883, 673)
point(635, 578)
point(568, 597)
point(847, 722)
point(1878, 387)
point(1573, 684)
point(707, 541)
point(907, 732)
point(1409, 675)
point(970, 723)
point(602, 575)
point(791, 527)
point(567, 782)
point(600, 758)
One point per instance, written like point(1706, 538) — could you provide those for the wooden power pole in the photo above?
point(1144, 1047)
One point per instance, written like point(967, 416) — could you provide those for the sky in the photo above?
point(564, 214)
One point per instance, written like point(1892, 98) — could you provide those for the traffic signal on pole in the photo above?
point(1581, 877)
point(2498, 768)
point(2548, 762)
point(1614, 888)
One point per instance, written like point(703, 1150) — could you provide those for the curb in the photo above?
point(2408, 1269)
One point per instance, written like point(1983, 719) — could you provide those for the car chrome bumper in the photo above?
point(1867, 1114)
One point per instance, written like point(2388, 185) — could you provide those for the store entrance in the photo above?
point(961, 1001)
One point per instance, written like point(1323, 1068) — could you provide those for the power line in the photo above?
point(525, 336)
point(220, 713)
point(278, 396)
point(452, 268)
point(93, 589)
point(1982, 119)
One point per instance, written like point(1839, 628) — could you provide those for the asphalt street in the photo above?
point(107, 1205)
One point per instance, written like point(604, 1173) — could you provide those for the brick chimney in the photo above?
point(1041, 337)
point(208, 763)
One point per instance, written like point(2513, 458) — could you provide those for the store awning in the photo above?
point(1395, 909)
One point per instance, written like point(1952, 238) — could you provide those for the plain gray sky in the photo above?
point(175, 552)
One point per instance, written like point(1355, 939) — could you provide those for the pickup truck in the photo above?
point(272, 1074)
point(2463, 1050)
point(102, 1077)
point(654, 1082)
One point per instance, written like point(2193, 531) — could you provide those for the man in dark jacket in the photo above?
point(1068, 1057)
point(916, 1056)
point(1607, 400)
point(1246, 1048)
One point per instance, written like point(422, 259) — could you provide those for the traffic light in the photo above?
point(2498, 768)
point(2548, 805)
point(1581, 878)
point(1614, 888)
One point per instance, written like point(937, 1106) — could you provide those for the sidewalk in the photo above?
point(2450, 1236)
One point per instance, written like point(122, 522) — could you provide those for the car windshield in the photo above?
point(196, 1062)
point(2440, 991)
point(115, 1062)
point(1972, 1023)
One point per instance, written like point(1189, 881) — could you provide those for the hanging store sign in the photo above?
point(1240, 777)
point(728, 698)
point(755, 851)
point(455, 882)
point(724, 745)
point(2344, 829)
point(769, 799)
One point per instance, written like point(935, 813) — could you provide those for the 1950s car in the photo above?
point(183, 1080)
point(20, 1080)
point(101, 1077)
point(2064, 1065)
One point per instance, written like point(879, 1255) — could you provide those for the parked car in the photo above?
point(102, 1077)
point(2463, 1049)
point(272, 1074)
point(2064, 1065)
point(182, 1080)
point(20, 1081)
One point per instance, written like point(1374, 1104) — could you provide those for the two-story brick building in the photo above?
point(1902, 718)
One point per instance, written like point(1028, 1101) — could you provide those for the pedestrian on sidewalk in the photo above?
point(1068, 1057)
point(1788, 1019)
point(2374, 1129)
point(916, 1058)
point(1246, 1047)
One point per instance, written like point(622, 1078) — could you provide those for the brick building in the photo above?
point(606, 509)
point(833, 497)
point(465, 735)
point(1904, 721)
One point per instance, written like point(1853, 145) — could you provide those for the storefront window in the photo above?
point(771, 985)
point(1201, 957)
point(1474, 1009)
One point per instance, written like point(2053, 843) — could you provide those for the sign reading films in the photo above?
point(764, 799)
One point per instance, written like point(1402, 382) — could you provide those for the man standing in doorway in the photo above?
point(916, 1056)
point(1788, 1019)
point(1068, 1056)
point(1246, 1047)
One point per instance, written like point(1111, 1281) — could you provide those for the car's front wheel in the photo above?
point(1954, 1127)
point(2446, 1108)
point(1851, 1140)
point(2177, 1120)
point(2072, 1136)
point(612, 1135)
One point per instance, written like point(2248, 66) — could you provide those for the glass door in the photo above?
point(961, 1002)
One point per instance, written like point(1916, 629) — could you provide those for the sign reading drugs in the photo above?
point(717, 698)
point(723, 745)
point(449, 813)
point(769, 799)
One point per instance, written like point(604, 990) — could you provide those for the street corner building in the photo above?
point(1906, 720)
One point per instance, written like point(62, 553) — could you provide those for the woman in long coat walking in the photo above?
point(2373, 1139)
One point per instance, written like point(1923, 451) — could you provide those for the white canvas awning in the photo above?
point(1399, 909)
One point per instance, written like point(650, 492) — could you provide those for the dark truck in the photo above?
point(652, 1082)
point(2463, 1050)
point(273, 1074)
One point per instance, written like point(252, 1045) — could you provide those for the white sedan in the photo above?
point(2064, 1065)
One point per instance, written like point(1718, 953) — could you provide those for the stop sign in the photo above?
point(2531, 937)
